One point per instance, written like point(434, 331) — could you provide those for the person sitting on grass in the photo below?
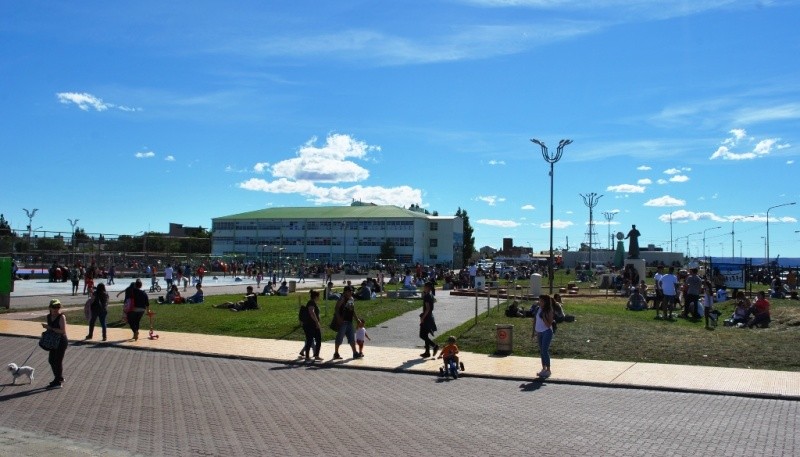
point(363, 292)
point(637, 301)
point(761, 317)
point(250, 302)
point(283, 290)
point(268, 290)
point(173, 295)
point(330, 294)
point(198, 296)
point(743, 309)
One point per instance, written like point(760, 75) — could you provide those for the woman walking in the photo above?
point(543, 328)
point(56, 322)
point(141, 303)
point(427, 325)
point(311, 326)
point(98, 309)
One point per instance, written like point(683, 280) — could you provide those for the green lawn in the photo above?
point(604, 330)
point(277, 318)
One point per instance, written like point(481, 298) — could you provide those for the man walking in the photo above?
point(669, 286)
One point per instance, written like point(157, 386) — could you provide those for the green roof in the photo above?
point(329, 212)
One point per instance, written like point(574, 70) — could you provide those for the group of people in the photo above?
point(749, 315)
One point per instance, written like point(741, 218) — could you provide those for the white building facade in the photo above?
point(339, 235)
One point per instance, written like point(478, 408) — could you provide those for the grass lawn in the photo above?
point(604, 330)
point(277, 318)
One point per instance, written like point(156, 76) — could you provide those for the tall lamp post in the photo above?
point(591, 200)
point(609, 215)
point(733, 223)
point(73, 223)
point(773, 207)
point(704, 240)
point(551, 159)
point(30, 215)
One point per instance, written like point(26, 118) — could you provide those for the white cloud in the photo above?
point(528, 207)
point(145, 155)
point(491, 200)
point(760, 149)
point(403, 196)
point(789, 162)
point(626, 189)
point(497, 162)
point(169, 158)
point(557, 224)
point(773, 113)
point(498, 223)
point(644, 181)
point(686, 216)
point(260, 167)
point(666, 200)
point(644, 168)
point(672, 171)
point(679, 178)
point(85, 101)
point(662, 181)
point(327, 163)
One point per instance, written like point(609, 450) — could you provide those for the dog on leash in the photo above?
point(17, 371)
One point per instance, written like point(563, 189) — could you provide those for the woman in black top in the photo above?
point(311, 326)
point(427, 325)
point(57, 323)
point(98, 309)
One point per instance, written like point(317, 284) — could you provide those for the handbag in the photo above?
point(335, 323)
point(50, 340)
point(128, 306)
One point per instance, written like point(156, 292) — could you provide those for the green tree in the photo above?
point(387, 252)
point(469, 241)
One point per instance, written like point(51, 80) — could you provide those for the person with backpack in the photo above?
point(309, 318)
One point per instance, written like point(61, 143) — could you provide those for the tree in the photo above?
point(387, 252)
point(469, 241)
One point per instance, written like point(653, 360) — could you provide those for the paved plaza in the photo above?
point(189, 394)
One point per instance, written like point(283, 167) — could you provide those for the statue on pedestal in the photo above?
point(633, 244)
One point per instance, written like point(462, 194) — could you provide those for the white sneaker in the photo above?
point(541, 374)
point(544, 374)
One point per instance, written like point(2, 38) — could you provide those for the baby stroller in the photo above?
point(155, 287)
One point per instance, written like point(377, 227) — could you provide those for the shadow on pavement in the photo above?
point(531, 386)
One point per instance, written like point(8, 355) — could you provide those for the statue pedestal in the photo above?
point(641, 267)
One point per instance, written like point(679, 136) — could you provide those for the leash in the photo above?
point(29, 356)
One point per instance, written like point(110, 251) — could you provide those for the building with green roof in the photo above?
point(339, 234)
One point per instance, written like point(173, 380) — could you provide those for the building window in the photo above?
point(434, 242)
point(434, 226)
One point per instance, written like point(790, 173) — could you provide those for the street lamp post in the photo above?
point(609, 215)
point(30, 215)
point(773, 207)
point(740, 248)
point(591, 200)
point(551, 159)
point(73, 223)
point(704, 240)
point(733, 223)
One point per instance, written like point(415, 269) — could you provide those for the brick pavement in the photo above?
point(124, 402)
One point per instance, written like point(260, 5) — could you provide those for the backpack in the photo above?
point(303, 314)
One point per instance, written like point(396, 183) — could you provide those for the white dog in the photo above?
point(19, 371)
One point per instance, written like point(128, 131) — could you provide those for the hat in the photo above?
point(55, 303)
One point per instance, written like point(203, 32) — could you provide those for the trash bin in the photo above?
point(536, 285)
point(292, 286)
point(505, 338)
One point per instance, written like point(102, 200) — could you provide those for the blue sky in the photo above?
point(131, 115)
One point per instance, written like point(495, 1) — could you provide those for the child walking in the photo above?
point(361, 333)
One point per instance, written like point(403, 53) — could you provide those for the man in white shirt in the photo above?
point(669, 286)
point(659, 293)
point(473, 271)
point(168, 272)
